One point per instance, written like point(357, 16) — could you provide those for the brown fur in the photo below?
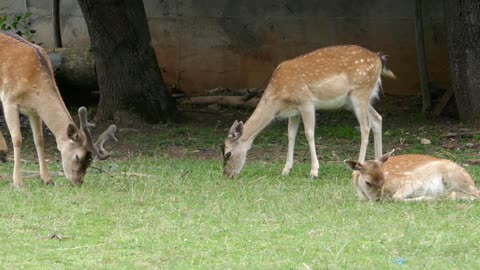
point(27, 86)
point(411, 177)
point(328, 78)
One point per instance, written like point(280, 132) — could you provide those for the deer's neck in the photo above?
point(57, 118)
point(263, 115)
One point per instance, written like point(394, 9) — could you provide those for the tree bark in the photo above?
point(74, 69)
point(128, 74)
point(463, 31)
point(57, 33)
point(421, 59)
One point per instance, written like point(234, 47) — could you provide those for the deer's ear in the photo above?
point(386, 156)
point(236, 130)
point(354, 165)
point(72, 133)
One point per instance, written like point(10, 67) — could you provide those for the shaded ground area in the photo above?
point(203, 129)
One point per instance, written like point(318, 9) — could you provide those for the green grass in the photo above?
point(162, 203)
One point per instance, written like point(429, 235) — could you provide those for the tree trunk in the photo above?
point(421, 59)
point(57, 33)
point(463, 31)
point(128, 74)
point(74, 69)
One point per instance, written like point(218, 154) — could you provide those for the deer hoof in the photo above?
point(50, 183)
point(313, 177)
point(18, 184)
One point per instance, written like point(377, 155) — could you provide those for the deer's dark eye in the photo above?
point(77, 158)
point(368, 183)
point(227, 155)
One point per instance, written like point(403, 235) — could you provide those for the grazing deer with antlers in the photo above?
point(27, 86)
point(411, 178)
point(329, 78)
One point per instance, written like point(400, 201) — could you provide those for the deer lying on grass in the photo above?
point(329, 78)
point(27, 86)
point(411, 178)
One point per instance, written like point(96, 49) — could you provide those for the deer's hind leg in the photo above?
point(376, 121)
point(308, 116)
point(361, 110)
point(293, 123)
point(459, 183)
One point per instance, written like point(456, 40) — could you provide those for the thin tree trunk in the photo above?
point(128, 74)
point(57, 33)
point(463, 31)
point(421, 60)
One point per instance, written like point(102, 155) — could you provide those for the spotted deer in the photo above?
point(411, 178)
point(328, 78)
point(27, 86)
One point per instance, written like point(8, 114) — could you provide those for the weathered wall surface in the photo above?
point(237, 43)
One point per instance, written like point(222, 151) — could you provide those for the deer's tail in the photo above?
point(385, 70)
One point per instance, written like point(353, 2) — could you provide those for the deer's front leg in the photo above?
point(308, 116)
point(12, 117)
point(405, 191)
point(293, 123)
point(36, 124)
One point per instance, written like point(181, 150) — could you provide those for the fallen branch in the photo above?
point(221, 91)
point(224, 100)
point(100, 170)
point(464, 133)
point(136, 174)
point(473, 161)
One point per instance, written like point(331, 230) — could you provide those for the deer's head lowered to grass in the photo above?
point(78, 153)
point(411, 178)
point(27, 86)
point(329, 78)
point(234, 151)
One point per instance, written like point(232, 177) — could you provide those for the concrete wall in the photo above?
point(237, 43)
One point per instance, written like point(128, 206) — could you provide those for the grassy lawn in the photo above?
point(162, 203)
